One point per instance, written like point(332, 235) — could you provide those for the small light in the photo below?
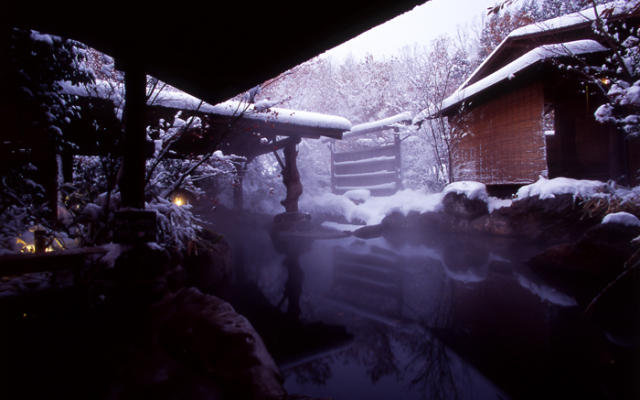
point(605, 81)
point(178, 201)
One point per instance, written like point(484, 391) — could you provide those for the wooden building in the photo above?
point(521, 116)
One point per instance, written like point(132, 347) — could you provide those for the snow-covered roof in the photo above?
point(586, 16)
point(510, 70)
point(173, 98)
point(380, 125)
point(564, 22)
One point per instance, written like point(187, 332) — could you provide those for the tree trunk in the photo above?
point(238, 197)
point(291, 178)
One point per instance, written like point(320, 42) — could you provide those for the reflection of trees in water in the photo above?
point(410, 353)
point(315, 372)
point(436, 374)
point(432, 366)
point(374, 351)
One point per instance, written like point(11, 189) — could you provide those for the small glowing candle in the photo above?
point(178, 201)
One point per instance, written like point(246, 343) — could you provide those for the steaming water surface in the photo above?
point(460, 318)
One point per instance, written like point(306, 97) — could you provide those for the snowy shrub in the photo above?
point(596, 198)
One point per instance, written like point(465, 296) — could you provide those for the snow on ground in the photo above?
point(373, 209)
point(549, 188)
point(622, 218)
point(473, 190)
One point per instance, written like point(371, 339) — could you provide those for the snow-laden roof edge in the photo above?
point(184, 101)
point(536, 55)
point(586, 16)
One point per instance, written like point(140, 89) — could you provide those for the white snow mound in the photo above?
point(549, 188)
point(623, 218)
point(473, 190)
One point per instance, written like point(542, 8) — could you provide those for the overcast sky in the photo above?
point(421, 25)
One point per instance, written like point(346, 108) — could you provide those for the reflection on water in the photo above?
point(455, 320)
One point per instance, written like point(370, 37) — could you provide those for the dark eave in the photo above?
point(212, 50)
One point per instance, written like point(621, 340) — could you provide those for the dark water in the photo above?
point(460, 318)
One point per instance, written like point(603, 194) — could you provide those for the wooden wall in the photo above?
point(502, 141)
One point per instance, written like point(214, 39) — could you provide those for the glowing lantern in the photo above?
point(179, 201)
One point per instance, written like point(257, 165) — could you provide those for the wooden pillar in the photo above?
point(398, 154)
point(131, 181)
point(291, 177)
point(333, 169)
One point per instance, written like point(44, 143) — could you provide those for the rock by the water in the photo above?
point(369, 231)
point(493, 224)
point(208, 336)
point(602, 251)
point(292, 225)
point(583, 268)
point(460, 206)
point(558, 219)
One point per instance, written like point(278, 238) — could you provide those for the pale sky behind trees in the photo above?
point(420, 25)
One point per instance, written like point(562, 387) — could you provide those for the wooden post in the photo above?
point(398, 154)
point(333, 170)
point(131, 179)
point(291, 177)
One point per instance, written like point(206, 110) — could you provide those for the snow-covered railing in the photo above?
point(376, 169)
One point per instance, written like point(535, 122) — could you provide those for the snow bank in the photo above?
point(623, 218)
point(548, 189)
point(358, 194)
point(373, 209)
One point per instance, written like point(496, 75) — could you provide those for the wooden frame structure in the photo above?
point(377, 169)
